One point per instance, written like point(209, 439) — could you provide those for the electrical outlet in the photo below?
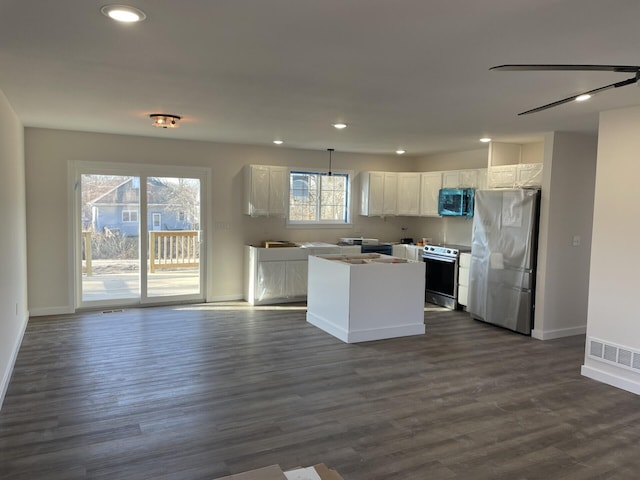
point(577, 240)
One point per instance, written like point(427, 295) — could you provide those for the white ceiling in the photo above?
point(402, 73)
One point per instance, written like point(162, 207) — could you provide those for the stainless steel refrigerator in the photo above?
point(503, 257)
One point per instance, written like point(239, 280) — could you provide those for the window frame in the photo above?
point(129, 212)
point(318, 222)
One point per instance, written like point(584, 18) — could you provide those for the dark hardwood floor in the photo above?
point(197, 392)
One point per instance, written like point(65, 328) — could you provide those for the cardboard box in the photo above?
point(272, 472)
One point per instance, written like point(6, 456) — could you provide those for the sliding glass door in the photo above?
point(139, 239)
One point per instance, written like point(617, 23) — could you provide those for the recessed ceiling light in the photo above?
point(400, 151)
point(278, 142)
point(339, 126)
point(485, 140)
point(123, 13)
point(164, 120)
point(582, 98)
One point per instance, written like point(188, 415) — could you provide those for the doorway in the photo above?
point(140, 237)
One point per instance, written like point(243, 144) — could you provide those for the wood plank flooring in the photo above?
point(197, 392)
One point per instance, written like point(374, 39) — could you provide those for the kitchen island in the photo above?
point(366, 297)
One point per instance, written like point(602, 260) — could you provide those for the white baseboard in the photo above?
point(6, 375)
point(355, 336)
point(609, 379)
point(225, 298)
point(558, 333)
point(42, 312)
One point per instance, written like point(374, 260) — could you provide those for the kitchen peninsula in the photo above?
point(361, 298)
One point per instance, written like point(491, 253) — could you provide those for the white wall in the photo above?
point(566, 213)
point(13, 254)
point(615, 262)
point(48, 151)
point(477, 158)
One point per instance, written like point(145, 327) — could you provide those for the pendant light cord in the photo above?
point(330, 150)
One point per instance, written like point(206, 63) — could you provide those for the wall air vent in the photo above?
point(613, 354)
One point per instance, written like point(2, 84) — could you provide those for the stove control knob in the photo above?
point(448, 251)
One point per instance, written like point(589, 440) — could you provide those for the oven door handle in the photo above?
point(440, 259)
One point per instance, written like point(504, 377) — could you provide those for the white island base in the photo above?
point(364, 300)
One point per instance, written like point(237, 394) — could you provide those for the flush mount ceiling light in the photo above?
point(163, 120)
point(400, 152)
point(123, 13)
point(583, 97)
point(485, 140)
point(340, 126)
point(278, 142)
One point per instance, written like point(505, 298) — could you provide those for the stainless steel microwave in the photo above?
point(456, 202)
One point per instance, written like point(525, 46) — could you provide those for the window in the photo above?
point(156, 220)
point(129, 216)
point(317, 198)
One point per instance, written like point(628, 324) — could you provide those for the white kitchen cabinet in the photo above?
point(469, 178)
point(296, 278)
point(513, 176)
point(414, 252)
point(502, 177)
point(275, 275)
point(399, 250)
point(430, 185)
point(408, 194)
point(265, 190)
point(463, 278)
point(529, 175)
point(378, 193)
point(362, 300)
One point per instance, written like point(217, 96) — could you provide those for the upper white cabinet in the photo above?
point(378, 193)
point(409, 194)
point(265, 189)
point(513, 165)
point(430, 185)
point(471, 178)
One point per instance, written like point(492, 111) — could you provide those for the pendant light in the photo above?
point(330, 150)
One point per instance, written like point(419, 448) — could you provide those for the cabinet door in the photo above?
point(296, 278)
point(414, 253)
point(271, 280)
point(451, 179)
point(529, 175)
point(278, 177)
point(375, 193)
point(469, 179)
point(430, 184)
point(408, 194)
point(390, 195)
point(257, 185)
point(399, 250)
point(502, 177)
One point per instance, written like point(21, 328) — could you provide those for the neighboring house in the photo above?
point(117, 211)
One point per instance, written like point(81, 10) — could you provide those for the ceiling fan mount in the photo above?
point(578, 68)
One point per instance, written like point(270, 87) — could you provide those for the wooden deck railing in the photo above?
point(174, 249)
point(167, 249)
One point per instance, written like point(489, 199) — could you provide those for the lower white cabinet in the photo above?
point(279, 275)
point(410, 252)
point(463, 278)
point(275, 275)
